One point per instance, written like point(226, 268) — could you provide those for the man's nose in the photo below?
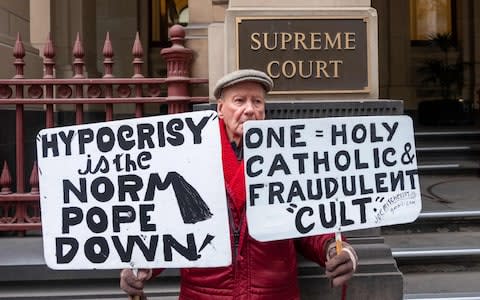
point(249, 107)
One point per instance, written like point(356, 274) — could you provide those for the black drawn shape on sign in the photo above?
point(192, 207)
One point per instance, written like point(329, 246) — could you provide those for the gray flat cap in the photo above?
point(242, 76)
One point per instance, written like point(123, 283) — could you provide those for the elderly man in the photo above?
point(259, 270)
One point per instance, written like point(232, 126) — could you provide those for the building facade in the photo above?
point(405, 30)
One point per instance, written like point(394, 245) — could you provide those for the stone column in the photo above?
point(466, 37)
point(14, 16)
point(399, 54)
point(476, 46)
point(40, 23)
point(383, 10)
point(68, 19)
point(120, 18)
point(203, 16)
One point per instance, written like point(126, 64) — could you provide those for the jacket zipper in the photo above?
point(236, 234)
point(236, 241)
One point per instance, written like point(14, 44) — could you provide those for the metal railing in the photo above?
point(443, 296)
point(19, 203)
point(429, 253)
point(449, 214)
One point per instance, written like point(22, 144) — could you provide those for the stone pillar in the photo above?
point(382, 7)
point(203, 14)
point(399, 54)
point(465, 21)
point(476, 47)
point(120, 18)
point(216, 55)
point(14, 16)
point(69, 18)
point(40, 23)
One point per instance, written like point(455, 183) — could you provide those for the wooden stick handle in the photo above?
point(135, 272)
point(339, 247)
point(338, 242)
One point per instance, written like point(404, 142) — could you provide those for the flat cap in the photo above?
point(242, 76)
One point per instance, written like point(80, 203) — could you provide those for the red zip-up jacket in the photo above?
point(259, 270)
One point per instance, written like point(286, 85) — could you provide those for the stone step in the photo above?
point(158, 289)
point(433, 240)
point(443, 146)
point(443, 296)
point(448, 166)
point(439, 222)
point(448, 153)
point(442, 285)
point(450, 192)
point(447, 134)
point(442, 265)
point(441, 251)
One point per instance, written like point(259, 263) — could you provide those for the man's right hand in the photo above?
point(133, 285)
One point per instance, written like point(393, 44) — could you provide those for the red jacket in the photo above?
point(260, 270)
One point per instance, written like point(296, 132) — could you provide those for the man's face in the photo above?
point(239, 103)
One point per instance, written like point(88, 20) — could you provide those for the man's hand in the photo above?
point(133, 285)
point(340, 268)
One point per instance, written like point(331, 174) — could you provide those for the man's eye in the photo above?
point(258, 101)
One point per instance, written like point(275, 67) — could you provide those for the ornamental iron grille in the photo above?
point(19, 202)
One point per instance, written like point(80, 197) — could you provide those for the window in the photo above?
point(430, 17)
point(164, 14)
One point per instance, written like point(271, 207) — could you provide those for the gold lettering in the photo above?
point(321, 66)
point(315, 38)
point(303, 41)
point(335, 67)
point(265, 40)
point(270, 71)
point(349, 38)
point(301, 66)
point(300, 39)
point(255, 45)
point(305, 69)
point(286, 38)
point(293, 69)
point(337, 41)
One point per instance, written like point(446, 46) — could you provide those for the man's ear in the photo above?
point(219, 108)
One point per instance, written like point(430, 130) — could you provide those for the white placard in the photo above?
point(143, 193)
point(313, 176)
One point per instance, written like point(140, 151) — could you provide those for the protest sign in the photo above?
point(313, 176)
point(140, 193)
